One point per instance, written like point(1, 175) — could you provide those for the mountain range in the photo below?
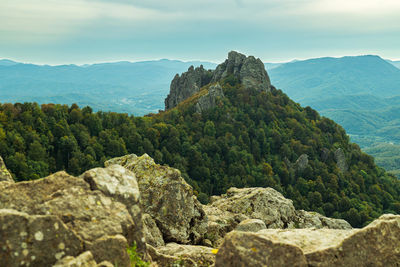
point(361, 93)
point(136, 88)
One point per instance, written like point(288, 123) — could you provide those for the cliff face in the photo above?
point(248, 70)
point(187, 85)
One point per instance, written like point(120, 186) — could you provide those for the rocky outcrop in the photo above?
point(210, 99)
point(309, 219)
point(249, 71)
point(174, 254)
point(111, 249)
point(119, 183)
point(152, 234)
point(90, 214)
point(340, 159)
point(186, 85)
point(226, 212)
point(35, 240)
point(168, 199)
point(375, 245)
point(5, 175)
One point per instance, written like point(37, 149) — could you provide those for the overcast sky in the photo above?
point(87, 31)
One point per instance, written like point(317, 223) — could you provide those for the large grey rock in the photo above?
point(120, 184)
point(266, 204)
point(377, 244)
point(89, 213)
point(254, 249)
point(84, 260)
point(35, 240)
point(209, 100)
point(186, 85)
point(167, 198)
point(112, 249)
point(152, 234)
point(308, 219)
point(173, 254)
point(249, 70)
point(5, 175)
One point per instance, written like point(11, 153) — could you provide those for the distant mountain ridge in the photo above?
point(136, 88)
point(360, 93)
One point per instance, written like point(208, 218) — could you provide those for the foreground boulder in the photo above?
point(266, 204)
point(91, 214)
point(377, 244)
point(168, 199)
point(119, 183)
point(24, 238)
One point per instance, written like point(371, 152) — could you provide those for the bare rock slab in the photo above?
point(377, 244)
point(167, 197)
point(24, 239)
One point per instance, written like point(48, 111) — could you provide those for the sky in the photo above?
point(89, 31)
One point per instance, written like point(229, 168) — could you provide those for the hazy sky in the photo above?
point(85, 31)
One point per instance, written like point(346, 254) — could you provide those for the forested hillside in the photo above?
point(251, 139)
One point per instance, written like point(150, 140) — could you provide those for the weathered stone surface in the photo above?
point(251, 225)
point(152, 234)
point(377, 244)
point(83, 260)
point(254, 249)
point(250, 71)
point(220, 222)
point(34, 240)
point(210, 99)
point(307, 219)
point(167, 198)
point(119, 183)
point(185, 255)
point(186, 85)
point(341, 160)
point(5, 175)
point(90, 214)
point(266, 204)
point(111, 249)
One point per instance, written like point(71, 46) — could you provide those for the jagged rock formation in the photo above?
point(5, 175)
point(187, 85)
point(168, 199)
point(266, 204)
point(209, 100)
point(248, 70)
point(375, 245)
point(90, 220)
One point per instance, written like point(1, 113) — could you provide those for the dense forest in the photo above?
point(251, 139)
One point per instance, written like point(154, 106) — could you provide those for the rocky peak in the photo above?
point(249, 71)
point(186, 85)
